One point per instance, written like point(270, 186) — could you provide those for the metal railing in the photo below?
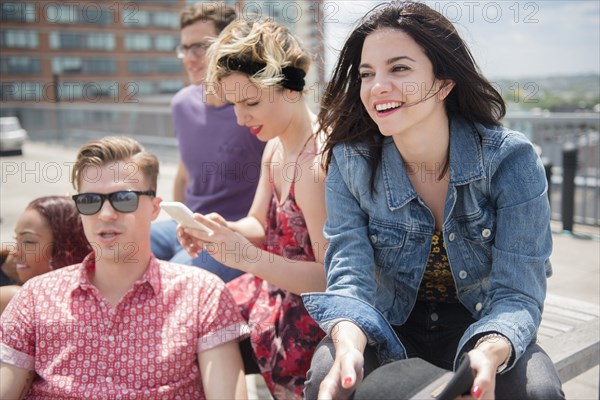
point(567, 136)
point(73, 124)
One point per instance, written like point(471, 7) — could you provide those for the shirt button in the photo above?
point(373, 239)
point(478, 307)
point(486, 233)
point(463, 274)
point(451, 237)
point(108, 379)
point(434, 317)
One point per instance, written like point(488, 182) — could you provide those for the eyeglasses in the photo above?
point(197, 49)
point(124, 201)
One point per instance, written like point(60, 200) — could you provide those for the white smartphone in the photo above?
point(180, 213)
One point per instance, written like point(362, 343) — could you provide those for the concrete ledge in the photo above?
point(570, 334)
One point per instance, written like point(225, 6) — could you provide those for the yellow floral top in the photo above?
point(438, 284)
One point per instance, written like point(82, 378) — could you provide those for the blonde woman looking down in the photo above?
point(280, 245)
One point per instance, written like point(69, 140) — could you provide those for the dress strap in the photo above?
point(291, 192)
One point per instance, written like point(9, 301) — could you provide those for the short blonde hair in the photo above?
point(110, 149)
point(261, 42)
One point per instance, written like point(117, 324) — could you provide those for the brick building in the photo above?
point(118, 51)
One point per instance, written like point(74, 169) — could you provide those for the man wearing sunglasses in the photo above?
point(219, 160)
point(121, 324)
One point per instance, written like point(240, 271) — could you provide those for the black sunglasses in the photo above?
point(124, 201)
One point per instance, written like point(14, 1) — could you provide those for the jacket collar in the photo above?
point(466, 163)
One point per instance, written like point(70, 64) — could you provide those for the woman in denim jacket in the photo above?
point(438, 217)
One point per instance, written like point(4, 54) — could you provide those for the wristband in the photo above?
point(495, 336)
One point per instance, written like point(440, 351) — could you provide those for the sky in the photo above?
point(509, 39)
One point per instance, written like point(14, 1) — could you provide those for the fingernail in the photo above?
point(348, 381)
point(476, 391)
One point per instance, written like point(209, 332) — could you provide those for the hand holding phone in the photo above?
point(451, 384)
point(180, 213)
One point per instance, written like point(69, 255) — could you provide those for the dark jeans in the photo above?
point(250, 365)
point(432, 332)
point(165, 246)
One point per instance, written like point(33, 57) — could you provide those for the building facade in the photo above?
point(118, 51)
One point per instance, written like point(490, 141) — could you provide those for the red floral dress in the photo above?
point(283, 335)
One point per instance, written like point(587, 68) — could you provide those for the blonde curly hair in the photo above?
point(264, 46)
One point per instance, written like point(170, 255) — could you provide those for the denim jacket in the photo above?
point(496, 229)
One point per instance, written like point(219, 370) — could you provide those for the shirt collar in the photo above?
point(150, 277)
point(466, 163)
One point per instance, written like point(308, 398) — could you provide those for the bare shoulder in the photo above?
point(311, 165)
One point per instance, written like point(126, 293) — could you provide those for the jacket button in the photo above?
point(373, 239)
point(451, 237)
point(478, 307)
point(462, 274)
point(434, 317)
point(486, 233)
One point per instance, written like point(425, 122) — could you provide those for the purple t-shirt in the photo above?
point(222, 158)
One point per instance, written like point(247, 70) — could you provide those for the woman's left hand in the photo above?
point(484, 383)
point(222, 243)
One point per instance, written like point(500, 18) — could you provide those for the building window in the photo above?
point(72, 14)
point(19, 39)
point(92, 41)
point(61, 14)
point(18, 12)
point(165, 42)
point(140, 66)
point(78, 65)
point(169, 65)
point(152, 65)
point(66, 40)
point(138, 42)
point(100, 89)
point(20, 91)
point(169, 86)
point(19, 65)
point(99, 65)
point(96, 15)
point(144, 88)
point(100, 41)
point(66, 65)
point(141, 88)
point(134, 17)
point(165, 19)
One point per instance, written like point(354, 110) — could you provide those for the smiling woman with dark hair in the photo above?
point(49, 235)
point(437, 218)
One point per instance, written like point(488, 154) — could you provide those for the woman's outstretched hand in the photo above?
point(484, 368)
point(347, 371)
point(345, 375)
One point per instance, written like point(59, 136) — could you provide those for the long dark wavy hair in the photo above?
point(342, 114)
point(69, 244)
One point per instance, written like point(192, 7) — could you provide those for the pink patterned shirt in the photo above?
point(145, 348)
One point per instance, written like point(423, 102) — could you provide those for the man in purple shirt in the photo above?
point(219, 162)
